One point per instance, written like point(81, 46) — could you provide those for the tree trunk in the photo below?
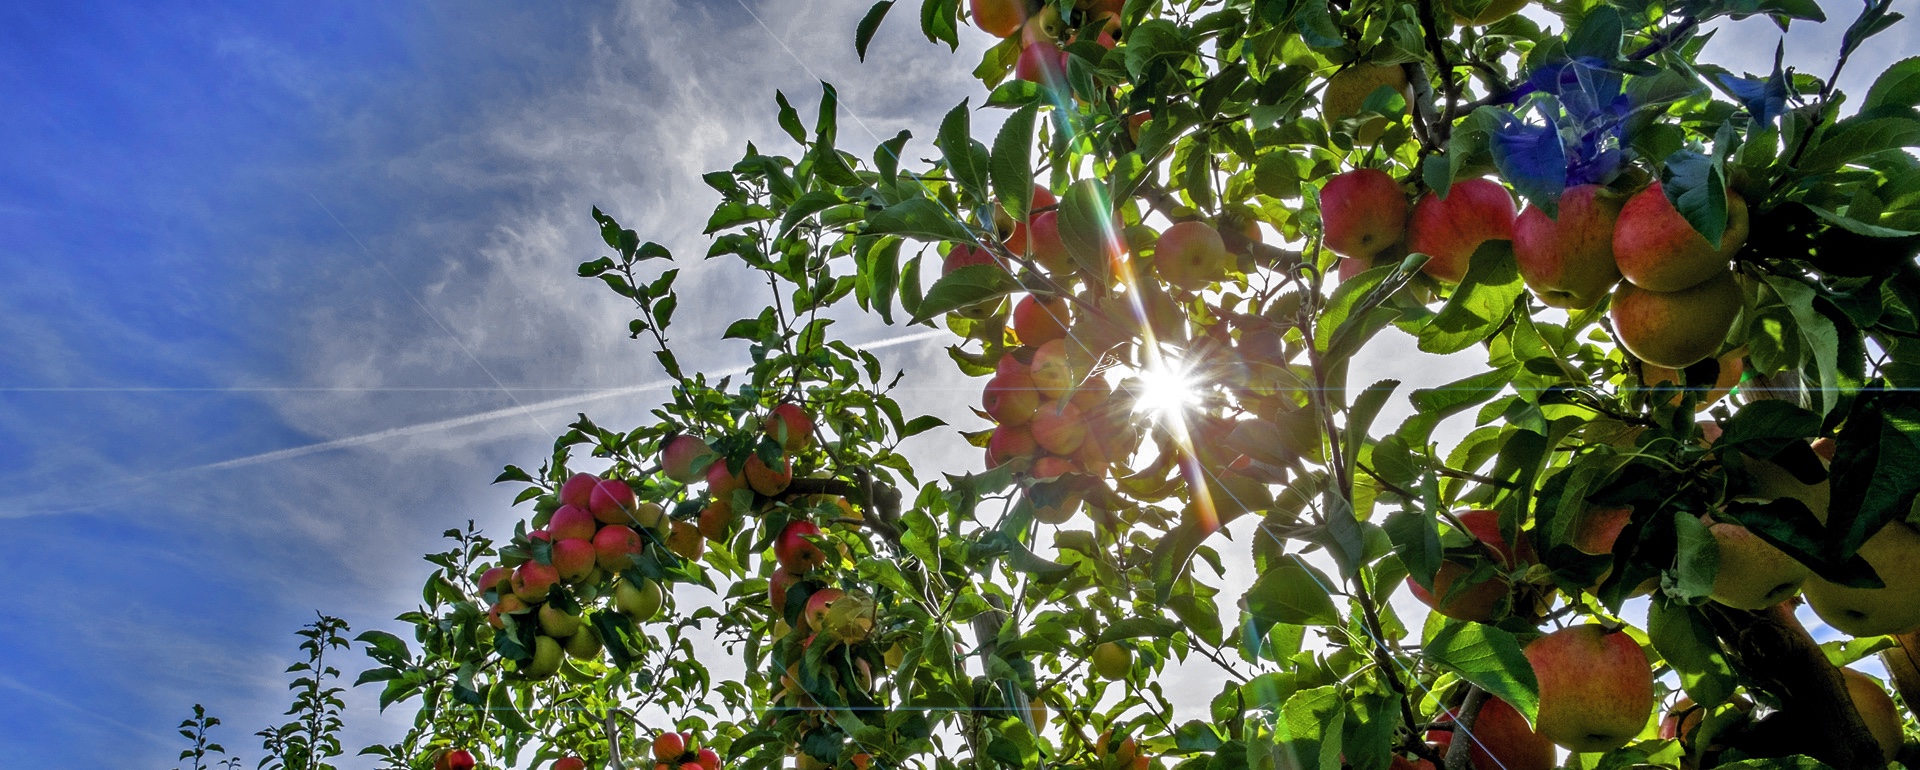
point(1772, 649)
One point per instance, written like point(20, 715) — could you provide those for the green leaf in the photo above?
point(1416, 540)
point(1292, 593)
point(940, 22)
point(1488, 657)
point(870, 24)
point(1817, 335)
point(1479, 305)
point(919, 218)
point(1365, 407)
point(1698, 562)
point(1012, 167)
point(963, 287)
point(1876, 471)
point(1696, 185)
point(1852, 140)
point(1310, 726)
point(500, 706)
point(1686, 641)
point(790, 119)
point(1795, 762)
point(966, 158)
point(1898, 86)
point(1432, 405)
point(1087, 227)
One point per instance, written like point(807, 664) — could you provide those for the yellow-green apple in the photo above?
point(790, 425)
point(1658, 250)
point(569, 522)
point(573, 559)
point(716, 520)
point(1769, 481)
point(584, 645)
point(685, 458)
point(546, 657)
point(508, 605)
point(1043, 25)
point(767, 480)
point(1676, 329)
point(1058, 427)
point(1894, 552)
point(1481, 602)
point(612, 501)
point(1448, 230)
point(1052, 373)
point(1753, 574)
point(1596, 687)
point(1010, 398)
point(569, 763)
point(1191, 255)
point(614, 547)
point(777, 585)
point(999, 18)
point(1877, 709)
point(558, 623)
point(577, 491)
point(1039, 320)
point(1362, 212)
point(1494, 11)
point(818, 605)
point(1568, 260)
point(533, 580)
point(1042, 62)
point(1348, 89)
point(1008, 443)
point(795, 549)
point(639, 600)
point(1501, 739)
point(1112, 661)
point(683, 538)
point(723, 482)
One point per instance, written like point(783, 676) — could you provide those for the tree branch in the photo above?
point(1775, 651)
point(1459, 756)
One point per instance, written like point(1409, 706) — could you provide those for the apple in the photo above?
point(1402, 763)
point(457, 759)
point(1043, 24)
point(685, 458)
point(1010, 398)
point(1045, 245)
point(1448, 230)
point(670, 747)
point(612, 501)
point(546, 657)
point(1769, 481)
point(795, 551)
point(1352, 266)
point(615, 545)
point(1596, 687)
point(1480, 602)
point(818, 605)
point(1362, 212)
point(558, 623)
point(1877, 710)
point(1017, 232)
point(1347, 93)
point(723, 482)
point(1042, 62)
point(1008, 443)
point(508, 605)
point(533, 580)
point(1753, 574)
point(569, 763)
point(1112, 661)
point(649, 516)
point(573, 559)
point(577, 491)
point(1191, 255)
point(1682, 721)
point(1732, 366)
point(490, 579)
point(707, 758)
point(766, 480)
point(1058, 427)
point(777, 585)
point(1051, 371)
point(683, 538)
point(966, 256)
point(1567, 261)
point(1115, 751)
point(571, 523)
point(1596, 531)
point(1039, 320)
point(999, 18)
point(716, 520)
point(1501, 739)
point(1494, 11)
point(1658, 250)
point(791, 426)
point(1894, 552)
point(1051, 467)
point(1676, 329)
point(861, 761)
point(584, 645)
point(638, 600)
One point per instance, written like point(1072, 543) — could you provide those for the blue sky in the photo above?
point(282, 285)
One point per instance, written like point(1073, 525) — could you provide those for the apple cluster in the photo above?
point(682, 751)
point(1674, 297)
point(1042, 30)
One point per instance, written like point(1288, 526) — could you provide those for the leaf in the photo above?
point(1532, 159)
point(1686, 642)
point(963, 287)
point(1795, 762)
point(870, 24)
point(940, 21)
point(1479, 305)
point(500, 706)
point(1488, 657)
point(1876, 470)
point(919, 218)
point(790, 119)
point(1012, 165)
point(1291, 593)
point(966, 158)
point(1416, 540)
point(1597, 35)
point(1310, 726)
point(1432, 405)
point(1698, 562)
point(1898, 86)
point(1696, 185)
point(1087, 228)
point(1851, 140)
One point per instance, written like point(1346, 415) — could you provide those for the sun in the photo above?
point(1167, 389)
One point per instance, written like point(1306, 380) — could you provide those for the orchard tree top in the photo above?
point(1694, 291)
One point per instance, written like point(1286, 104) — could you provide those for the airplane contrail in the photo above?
point(431, 427)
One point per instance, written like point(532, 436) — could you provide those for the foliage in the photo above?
point(312, 738)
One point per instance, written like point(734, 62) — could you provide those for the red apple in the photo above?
point(1596, 687)
point(1501, 739)
point(716, 520)
point(1039, 320)
point(1191, 255)
point(508, 605)
point(1058, 427)
point(1658, 250)
point(777, 585)
point(1052, 467)
point(532, 581)
point(569, 763)
point(612, 501)
point(490, 579)
point(1042, 62)
point(1045, 245)
point(1448, 230)
point(966, 256)
point(766, 480)
point(1009, 443)
point(723, 482)
point(1017, 241)
point(669, 747)
point(570, 523)
point(791, 426)
point(685, 458)
point(1676, 329)
point(1568, 260)
point(1363, 212)
point(615, 545)
point(683, 538)
point(795, 552)
point(573, 559)
point(578, 490)
point(1480, 602)
point(1051, 371)
point(707, 758)
point(457, 759)
point(818, 605)
point(1010, 398)
point(999, 18)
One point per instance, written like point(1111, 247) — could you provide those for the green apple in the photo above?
point(1112, 661)
point(546, 657)
point(558, 623)
point(584, 644)
point(1894, 552)
point(1753, 574)
point(1191, 255)
point(640, 602)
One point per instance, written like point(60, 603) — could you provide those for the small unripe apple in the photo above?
point(571, 523)
point(638, 601)
point(685, 458)
point(1010, 398)
point(1596, 687)
point(533, 580)
point(795, 551)
point(1658, 250)
point(766, 480)
point(716, 520)
point(615, 545)
point(612, 501)
point(1058, 427)
point(546, 657)
point(1449, 230)
point(670, 747)
point(1567, 261)
point(1112, 661)
point(791, 426)
point(818, 605)
point(1008, 443)
point(585, 644)
point(1039, 320)
point(1362, 212)
point(999, 18)
point(723, 482)
point(1191, 255)
point(558, 623)
point(1676, 329)
point(1042, 62)
point(578, 490)
point(683, 538)
point(573, 559)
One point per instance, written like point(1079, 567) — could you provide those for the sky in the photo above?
point(283, 285)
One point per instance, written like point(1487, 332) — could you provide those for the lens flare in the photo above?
point(1166, 391)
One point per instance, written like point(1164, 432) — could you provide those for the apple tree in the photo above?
point(1679, 307)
